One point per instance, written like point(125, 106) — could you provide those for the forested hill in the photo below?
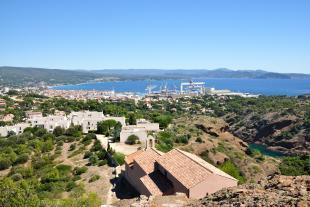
point(25, 76)
point(19, 76)
point(198, 73)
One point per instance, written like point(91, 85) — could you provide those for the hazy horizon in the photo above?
point(239, 35)
point(98, 69)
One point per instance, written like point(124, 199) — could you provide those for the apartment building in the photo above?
point(49, 122)
point(17, 129)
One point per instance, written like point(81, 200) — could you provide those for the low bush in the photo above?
point(102, 162)
point(93, 159)
point(230, 168)
point(295, 166)
point(119, 158)
point(5, 163)
point(80, 170)
point(70, 185)
point(72, 147)
point(17, 177)
point(87, 154)
point(198, 139)
point(132, 139)
point(21, 159)
point(94, 178)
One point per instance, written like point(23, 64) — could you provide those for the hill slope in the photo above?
point(197, 73)
point(18, 76)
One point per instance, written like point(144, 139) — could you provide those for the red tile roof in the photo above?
point(187, 168)
point(144, 158)
point(150, 185)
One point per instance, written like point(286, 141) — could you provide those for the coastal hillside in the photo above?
point(275, 191)
point(198, 73)
point(27, 76)
point(19, 76)
point(281, 123)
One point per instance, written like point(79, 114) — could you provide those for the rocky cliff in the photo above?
point(287, 134)
point(275, 191)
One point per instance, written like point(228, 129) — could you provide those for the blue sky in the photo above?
point(239, 34)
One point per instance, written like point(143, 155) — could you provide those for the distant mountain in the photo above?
point(19, 76)
point(197, 73)
point(23, 76)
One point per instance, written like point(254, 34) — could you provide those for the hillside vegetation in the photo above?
point(62, 169)
point(16, 76)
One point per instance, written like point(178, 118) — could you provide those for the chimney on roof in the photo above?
point(150, 142)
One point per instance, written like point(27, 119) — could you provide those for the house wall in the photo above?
point(18, 128)
point(142, 134)
point(211, 185)
point(3, 131)
point(133, 176)
point(149, 126)
point(50, 122)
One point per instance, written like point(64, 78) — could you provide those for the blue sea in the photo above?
point(290, 87)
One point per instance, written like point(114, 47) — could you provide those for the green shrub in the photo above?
point(230, 168)
point(72, 147)
point(132, 139)
point(295, 166)
point(80, 170)
point(74, 131)
point(64, 169)
point(97, 146)
point(87, 140)
point(39, 132)
point(76, 177)
point(17, 194)
point(21, 159)
point(87, 154)
point(119, 158)
point(47, 146)
point(70, 185)
point(26, 172)
point(5, 163)
point(93, 159)
point(102, 162)
point(102, 154)
point(58, 131)
point(17, 177)
point(94, 178)
point(60, 143)
point(198, 139)
point(165, 141)
point(182, 139)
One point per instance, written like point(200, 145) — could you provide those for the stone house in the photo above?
point(151, 172)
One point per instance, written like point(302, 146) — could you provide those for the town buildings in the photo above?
point(154, 173)
point(49, 122)
point(7, 117)
point(87, 119)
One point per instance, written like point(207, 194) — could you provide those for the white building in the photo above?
point(49, 122)
point(89, 119)
point(17, 129)
point(141, 130)
point(147, 125)
point(33, 114)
